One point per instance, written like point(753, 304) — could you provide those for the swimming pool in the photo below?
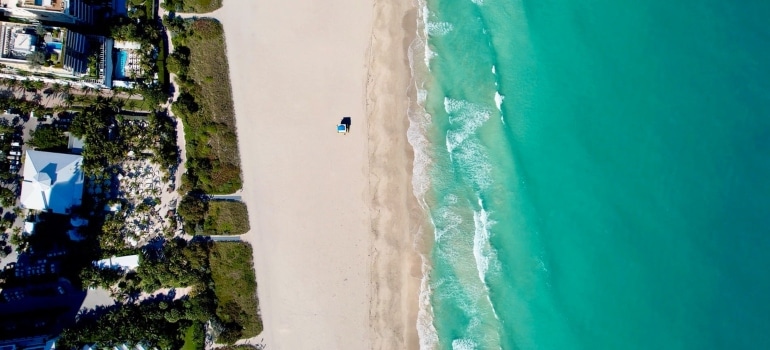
point(53, 46)
point(120, 64)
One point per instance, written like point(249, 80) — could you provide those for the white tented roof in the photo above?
point(52, 181)
point(128, 262)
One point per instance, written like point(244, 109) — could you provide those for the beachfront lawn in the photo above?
point(205, 105)
point(226, 218)
point(235, 288)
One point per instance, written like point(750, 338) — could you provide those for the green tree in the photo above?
point(193, 208)
point(48, 138)
point(36, 59)
point(7, 197)
point(40, 30)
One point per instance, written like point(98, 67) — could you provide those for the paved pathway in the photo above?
point(225, 238)
point(180, 136)
point(227, 197)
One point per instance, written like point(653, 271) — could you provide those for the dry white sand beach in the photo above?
point(329, 213)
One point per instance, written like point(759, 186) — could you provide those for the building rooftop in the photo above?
point(16, 40)
point(52, 181)
point(128, 262)
point(48, 5)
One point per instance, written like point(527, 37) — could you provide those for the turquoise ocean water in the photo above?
point(597, 173)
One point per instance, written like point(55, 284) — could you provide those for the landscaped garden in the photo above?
point(174, 321)
point(205, 105)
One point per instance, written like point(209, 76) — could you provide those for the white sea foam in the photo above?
point(451, 199)
point(419, 121)
point(438, 28)
point(426, 332)
point(464, 344)
point(493, 69)
point(485, 255)
point(415, 135)
point(481, 247)
point(467, 116)
point(499, 100)
point(450, 221)
point(478, 2)
point(474, 163)
point(422, 95)
point(429, 54)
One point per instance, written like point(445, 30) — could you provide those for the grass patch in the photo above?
point(196, 6)
point(226, 218)
point(205, 105)
point(235, 289)
point(194, 337)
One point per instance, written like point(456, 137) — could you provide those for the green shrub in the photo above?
point(197, 6)
point(48, 139)
point(226, 218)
point(205, 106)
point(235, 288)
point(193, 208)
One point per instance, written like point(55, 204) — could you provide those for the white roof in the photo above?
point(24, 42)
point(29, 227)
point(132, 45)
point(128, 262)
point(52, 181)
point(123, 84)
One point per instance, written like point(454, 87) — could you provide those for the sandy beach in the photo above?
point(331, 230)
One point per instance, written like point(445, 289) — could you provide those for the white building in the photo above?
point(59, 11)
point(52, 181)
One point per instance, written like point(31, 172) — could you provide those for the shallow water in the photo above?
point(597, 174)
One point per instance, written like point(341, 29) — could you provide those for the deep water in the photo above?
point(619, 197)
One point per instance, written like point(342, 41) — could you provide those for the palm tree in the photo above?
point(57, 88)
point(38, 85)
point(87, 90)
point(27, 85)
point(69, 99)
point(117, 104)
point(101, 103)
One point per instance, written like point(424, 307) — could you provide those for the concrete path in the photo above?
point(225, 238)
